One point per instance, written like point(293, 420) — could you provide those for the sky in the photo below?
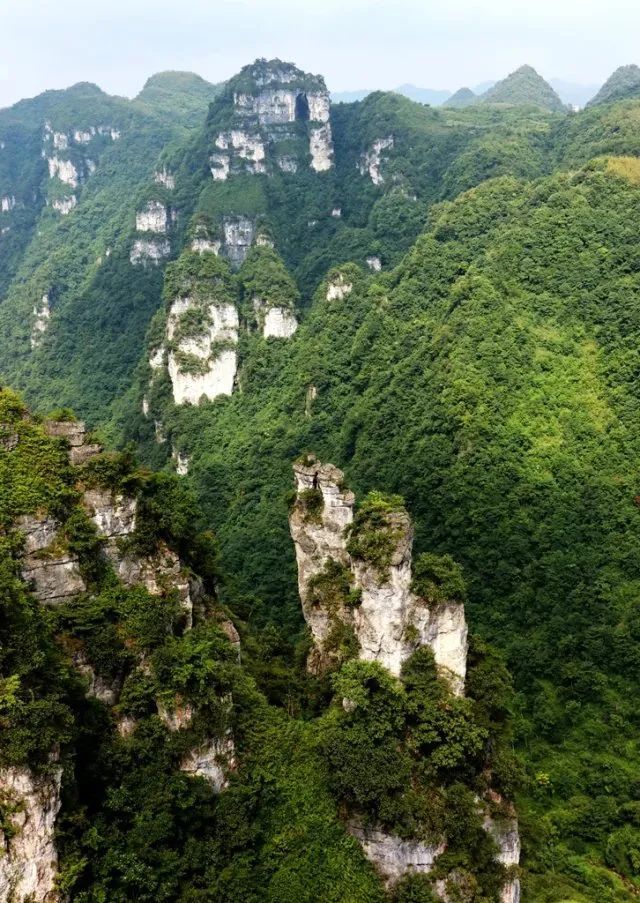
point(355, 44)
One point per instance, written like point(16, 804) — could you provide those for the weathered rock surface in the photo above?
point(338, 288)
point(152, 251)
point(389, 622)
point(321, 148)
point(238, 238)
point(28, 857)
point(153, 217)
point(202, 364)
point(64, 205)
point(53, 579)
point(114, 514)
point(370, 162)
point(164, 177)
point(394, 857)
point(75, 433)
point(159, 574)
point(212, 761)
point(7, 203)
point(63, 170)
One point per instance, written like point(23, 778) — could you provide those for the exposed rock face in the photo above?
point(54, 580)
point(240, 150)
point(206, 363)
point(159, 573)
point(152, 251)
point(212, 761)
point(41, 314)
point(28, 863)
point(505, 832)
point(7, 203)
point(204, 245)
point(389, 622)
point(76, 435)
point(152, 218)
point(374, 264)
point(114, 514)
point(370, 162)
point(393, 856)
point(238, 237)
point(98, 687)
point(338, 288)
point(54, 576)
point(182, 463)
point(276, 322)
point(287, 164)
point(65, 205)
point(164, 177)
point(63, 170)
point(321, 148)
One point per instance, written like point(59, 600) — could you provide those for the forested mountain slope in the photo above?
point(443, 303)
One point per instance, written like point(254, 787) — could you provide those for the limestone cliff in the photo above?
point(28, 857)
point(388, 620)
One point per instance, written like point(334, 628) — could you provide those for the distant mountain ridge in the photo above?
point(624, 83)
point(524, 86)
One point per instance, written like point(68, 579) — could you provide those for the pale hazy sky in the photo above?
point(353, 43)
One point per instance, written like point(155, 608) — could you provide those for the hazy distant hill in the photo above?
point(463, 97)
point(624, 83)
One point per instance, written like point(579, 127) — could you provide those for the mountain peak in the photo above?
point(524, 86)
point(622, 84)
point(463, 97)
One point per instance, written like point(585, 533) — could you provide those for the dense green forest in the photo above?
point(466, 284)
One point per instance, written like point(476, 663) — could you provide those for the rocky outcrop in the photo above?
point(374, 263)
point(75, 433)
point(64, 205)
point(159, 573)
point(41, 315)
point(238, 238)
point(321, 148)
point(28, 857)
point(237, 150)
point(503, 829)
point(152, 251)
point(113, 513)
point(54, 575)
point(213, 761)
point(152, 218)
point(338, 288)
point(279, 322)
point(202, 362)
point(164, 177)
point(370, 162)
point(63, 170)
point(181, 461)
point(387, 619)
point(393, 856)
point(7, 203)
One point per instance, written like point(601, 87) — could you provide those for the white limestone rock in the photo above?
point(338, 288)
point(176, 717)
point(374, 263)
point(156, 358)
point(370, 162)
point(113, 513)
point(63, 170)
point(181, 461)
point(55, 579)
point(220, 165)
point(39, 531)
point(84, 136)
point(321, 148)
point(159, 573)
point(152, 251)
point(390, 622)
point(98, 687)
point(504, 830)
point(212, 761)
point(153, 218)
point(7, 203)
point(29, 859)
point(60, 141)
point(287, 164)
point(238, 238)
point(217, 364)
point(279, 322)
point(336, 212)
point(394, 857)
point(64, 205)
point(164, 177)
point(205, 246)
point(41, 316)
